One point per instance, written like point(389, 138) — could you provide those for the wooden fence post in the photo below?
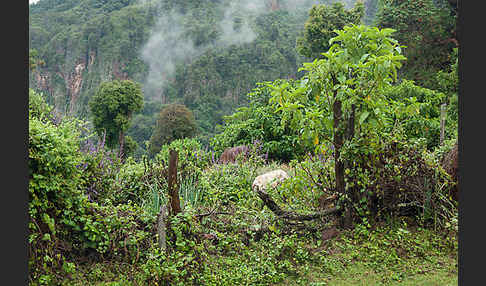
point(442, 122)
point(162, 226)
point(172, 184)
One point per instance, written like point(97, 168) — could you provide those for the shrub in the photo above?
point(425, 122)
point(38, 108)
point(260, 121)
point(56, 202)
point(69, 215)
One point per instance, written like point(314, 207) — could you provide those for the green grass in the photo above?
point(388, 255)
point(361, 274)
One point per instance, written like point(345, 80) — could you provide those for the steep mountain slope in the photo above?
point(206, 54)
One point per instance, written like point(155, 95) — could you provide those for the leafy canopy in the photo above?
point(260, 121)
point(112, 107)
point(427, 28)
point(321, 25)
point(175, 121)
point(360, 63)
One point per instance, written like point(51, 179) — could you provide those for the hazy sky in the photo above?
point(33, 1)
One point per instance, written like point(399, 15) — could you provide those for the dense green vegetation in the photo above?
point(112, 108)
point(428, 29)
point(351, 112)
point(323, 20)
point(103, 40)
point(175, 121)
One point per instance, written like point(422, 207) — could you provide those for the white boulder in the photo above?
point(270, 179)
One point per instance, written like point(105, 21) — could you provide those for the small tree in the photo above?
point(340, 99)
point(175, 121)
point(321, 25)
point(112, 107)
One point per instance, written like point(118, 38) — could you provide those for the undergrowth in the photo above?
point(93, 216)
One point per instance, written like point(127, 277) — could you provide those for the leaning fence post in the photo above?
point(442, 122)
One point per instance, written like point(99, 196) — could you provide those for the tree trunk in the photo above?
point(338, 143)
point(121, 140)
point(349, 191)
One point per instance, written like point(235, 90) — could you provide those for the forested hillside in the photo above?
point(225, 142)
point(205, 54)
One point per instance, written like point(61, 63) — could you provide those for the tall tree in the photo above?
point(112, 108)
point(175, 121)
point(322, 22)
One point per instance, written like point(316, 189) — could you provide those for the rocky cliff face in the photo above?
point(66, 87)
point(73, 84)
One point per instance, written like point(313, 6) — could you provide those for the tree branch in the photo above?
point(270, 203)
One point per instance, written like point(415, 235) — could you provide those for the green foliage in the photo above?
point(260, 121)
point(353, 72)
point(103, 36)
point(63, 223)
point(175, 121)
point(323, 20)
point(191, 156)
point(342, 104)
point(227, 184)
point(38, 108)
point(142, 126)
point(55, 200)
point(418, 110)
point(92, 213)
point(192, 159)
point(34, 60)
point(428, 32)
point(129, 147)
point(398, 178)
point(112, 107)
point(217, 82)
point(391, 254)
point(447, 81)
point(311, 180)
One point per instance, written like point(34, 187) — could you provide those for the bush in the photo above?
point(225, 184)
point(260, 121)
point(425, 122)
point(56, 202)
point(398, 177)
point(38, 108)
point(70, 210)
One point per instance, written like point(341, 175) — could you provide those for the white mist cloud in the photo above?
point(235, 27)
point(168, 45)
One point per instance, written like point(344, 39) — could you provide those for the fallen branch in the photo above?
point(301, 217)
point(211, 213)
point(272, 205)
